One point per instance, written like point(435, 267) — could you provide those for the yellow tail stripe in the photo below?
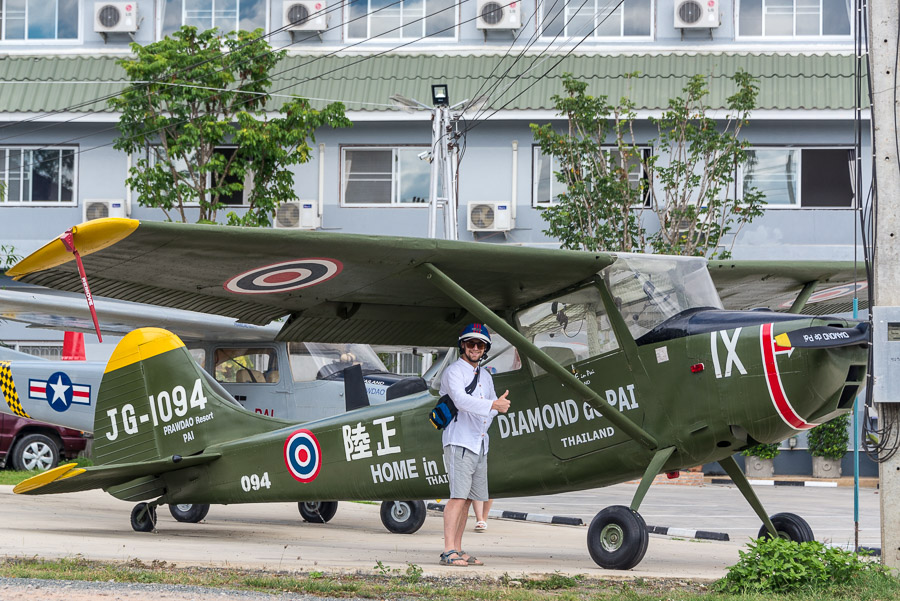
point(8, 388)
point(90, 237)
point(140, 345)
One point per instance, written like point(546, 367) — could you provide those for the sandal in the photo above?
point(471, 559)
point(480, 526)
point(458, 561)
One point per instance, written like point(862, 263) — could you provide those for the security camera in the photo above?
point(425, 155)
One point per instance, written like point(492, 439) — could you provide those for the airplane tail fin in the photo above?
point(157, 411)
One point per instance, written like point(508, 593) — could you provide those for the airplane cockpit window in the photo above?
point(649, 289)
point(319, 361)
point(246, 365)
point(569, 328)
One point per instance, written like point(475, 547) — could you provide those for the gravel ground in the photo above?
point(33, 589)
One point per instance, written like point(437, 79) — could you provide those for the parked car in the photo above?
point(26, 444)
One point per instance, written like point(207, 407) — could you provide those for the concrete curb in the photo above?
point(811, 483)
point(570, 521)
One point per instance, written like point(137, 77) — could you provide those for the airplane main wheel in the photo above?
point(143, 518)
point(403, 517)
point(190, 513)
point(317, 512)
point(617, 538)
point(789, 526)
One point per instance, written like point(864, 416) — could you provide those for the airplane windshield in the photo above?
point(649, 289)
point(314, 360)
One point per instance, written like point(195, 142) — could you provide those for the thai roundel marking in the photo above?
point(303, 456)
point(285, 276)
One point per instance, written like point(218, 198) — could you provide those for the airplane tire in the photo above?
point(145, 522)
point(790, 526)
point(403, 517)
point(190, 513)
point(317, 512)
point(617, 538)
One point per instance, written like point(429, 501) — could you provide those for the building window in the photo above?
point(385, 176)
point(403, 20)
point(800, 177)
point(546, 188)
point(224, 15)
point(794, 18)
point(236, 198)
point(596, 19)
point(38, 175)
point(39, 19)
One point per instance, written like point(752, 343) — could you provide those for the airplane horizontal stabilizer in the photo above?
point(69, 478)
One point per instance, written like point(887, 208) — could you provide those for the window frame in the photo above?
point(345, 28)
point(248, 181)
point(6, 202)
point(53, 41)
point(161, 15)
point(594, 38)
point(741, 171)
point(395, 177)
point(535, 182)
point(788, 38)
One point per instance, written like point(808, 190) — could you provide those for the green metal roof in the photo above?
point(364, 82)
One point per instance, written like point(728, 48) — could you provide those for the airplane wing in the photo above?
point(334, 287)
point(41, 307)
point(776, 284)
point(70, 478)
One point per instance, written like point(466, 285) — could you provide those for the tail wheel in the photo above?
point(617, 538)
point(143, 517)
point(317, 512)
point(789, 526)
point(403, 517)
point(191, 513)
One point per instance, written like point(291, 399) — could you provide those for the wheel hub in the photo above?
point(400, 512)
point(611, 537)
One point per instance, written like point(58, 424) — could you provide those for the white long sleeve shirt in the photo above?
point(474, 417)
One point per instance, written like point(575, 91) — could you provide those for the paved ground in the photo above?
point(272, 536)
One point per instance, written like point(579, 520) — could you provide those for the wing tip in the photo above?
point(44, 478)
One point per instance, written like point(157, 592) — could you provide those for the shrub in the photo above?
point(830, 440)
point(780, 566)
point(762, 450)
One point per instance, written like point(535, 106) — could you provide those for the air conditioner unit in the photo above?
point(696, 14)
point(115, 17)
point(98, 209)
point(305, 15)
point(297, 215)
point(499, 14)
point(490, 217)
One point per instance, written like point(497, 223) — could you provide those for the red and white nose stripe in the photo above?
point(773, 381)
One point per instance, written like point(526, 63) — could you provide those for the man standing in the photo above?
point(466, 437)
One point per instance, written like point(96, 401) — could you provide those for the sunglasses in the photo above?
point(474, 344)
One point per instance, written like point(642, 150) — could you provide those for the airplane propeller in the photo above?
point(824, 337)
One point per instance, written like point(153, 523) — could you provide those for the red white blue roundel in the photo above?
point(285, 276)
point(303, 456)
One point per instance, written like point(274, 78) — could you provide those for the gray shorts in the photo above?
point(467, 472)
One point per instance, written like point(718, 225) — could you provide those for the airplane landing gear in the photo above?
point(789, 526)
point(617, 538)
point(143, 517)
point(403, 517)
point(191, 513)
point(317, 512)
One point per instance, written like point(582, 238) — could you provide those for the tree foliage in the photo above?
point(831, 439)
point(197, 92)
point(687, 178)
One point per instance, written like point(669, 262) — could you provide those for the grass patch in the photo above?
point(12, 477)
point(409, 583)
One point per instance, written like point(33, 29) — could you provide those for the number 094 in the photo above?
point(255, 482)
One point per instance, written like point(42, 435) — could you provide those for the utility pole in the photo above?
point(443, 159)
point(883, 40)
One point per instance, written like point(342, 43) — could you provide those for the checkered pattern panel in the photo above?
point(8, 388)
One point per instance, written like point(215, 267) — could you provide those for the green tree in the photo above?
point(689, 174)
point(197, 92)
point(831, 439)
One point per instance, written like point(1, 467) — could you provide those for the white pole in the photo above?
point(435, 152)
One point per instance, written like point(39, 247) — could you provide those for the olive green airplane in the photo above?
point(619, 367)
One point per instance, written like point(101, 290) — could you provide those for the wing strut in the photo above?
point(800, 301)
point(458, 294)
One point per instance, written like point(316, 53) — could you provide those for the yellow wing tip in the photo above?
point(90, 237)
point(58, 473)
point(140, 345)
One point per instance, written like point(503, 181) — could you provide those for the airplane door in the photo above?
point(575, 330)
